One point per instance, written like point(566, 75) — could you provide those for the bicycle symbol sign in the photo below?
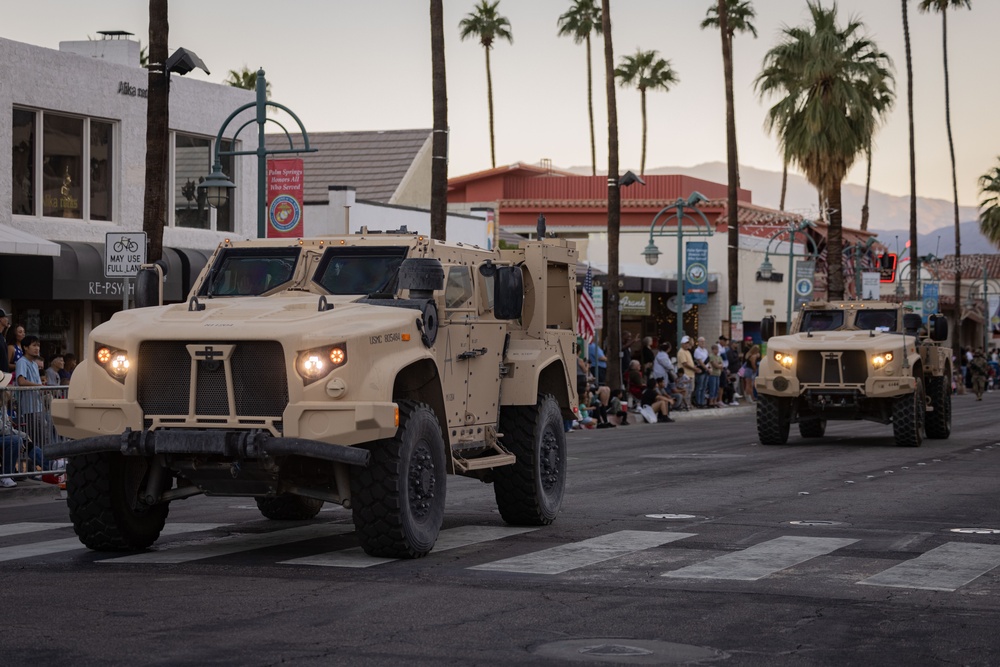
point(124, 253)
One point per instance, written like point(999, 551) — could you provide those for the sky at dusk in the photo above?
point(365, 65)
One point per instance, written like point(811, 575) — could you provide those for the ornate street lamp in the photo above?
point(766, 270)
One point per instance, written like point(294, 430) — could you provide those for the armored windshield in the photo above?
point(822, 320)
point(360, 270)
point(878, 320)
point(250, 271)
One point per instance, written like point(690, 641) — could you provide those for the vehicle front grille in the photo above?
point(256, 370)
point(832, 367)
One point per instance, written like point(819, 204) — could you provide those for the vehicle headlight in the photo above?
point(317, 363)
point(785, 360)
point(880, 360)
point(114, 361)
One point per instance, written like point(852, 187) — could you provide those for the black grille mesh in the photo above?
point(850, 367)
point(258, 371)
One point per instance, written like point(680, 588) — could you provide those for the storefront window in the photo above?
point(101, 172)
point(192, 159)
point(23, 162)
point(62, 167)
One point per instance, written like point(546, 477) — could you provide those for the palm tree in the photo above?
point(942, 7)
point(825, 77)
point(247, 80)
point(989, 214)
point(614, 204)
point(487, 25)
point(645, 71)
point(583, 18)
point(884, 99)
point(914, 275)
point(439, 146)
point(730, 16)
point(154, 209)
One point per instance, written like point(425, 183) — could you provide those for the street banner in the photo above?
point(805, 272)
point(930, 301)
point(736, 322)
point(870, 285)
point(284, 198)
point(696, 273)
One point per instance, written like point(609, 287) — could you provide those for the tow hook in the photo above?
point(234, 469)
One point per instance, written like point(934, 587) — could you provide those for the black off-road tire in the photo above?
point(814, 428)
point(773, 421)
point(287, 507)
point(938, 422)
point(529, 492)
point(908, 418)
point(398, 499)
point(102, 495)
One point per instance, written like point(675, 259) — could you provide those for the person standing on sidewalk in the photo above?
point(700, 355)
point(979, 368)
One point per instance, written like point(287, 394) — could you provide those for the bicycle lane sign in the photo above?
point(124, 253)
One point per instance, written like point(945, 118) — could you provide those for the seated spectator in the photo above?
point(657, 401)
point(616, 409)
point(12, 444)
point(599, 407)
point(683, 389)
point(636, 380)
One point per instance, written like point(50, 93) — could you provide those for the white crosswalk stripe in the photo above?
point(763, 559)
point(73, 543)
point(945, 568)
point(453, 538)
point(234, 544)
point(29, 527)
point(580, 554)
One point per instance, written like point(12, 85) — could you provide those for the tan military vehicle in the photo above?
point(850, 360)
point(358, 370)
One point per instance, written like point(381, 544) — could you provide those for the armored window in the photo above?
point(458, 290)
point(360, 270)
point(250, 271)
point(881, 320)
point(822, 320)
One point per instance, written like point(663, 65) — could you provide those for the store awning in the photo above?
point(17, 242)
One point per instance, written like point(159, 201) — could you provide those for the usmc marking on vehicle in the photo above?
point(393, 337)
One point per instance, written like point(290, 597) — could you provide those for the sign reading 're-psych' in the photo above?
point(284, 197)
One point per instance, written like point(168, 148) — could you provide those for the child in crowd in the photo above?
point(616, 408)
point(683, 389)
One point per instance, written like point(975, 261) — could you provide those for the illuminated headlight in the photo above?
point(785, 360)
point(115, 362)
point(880, 360)
point(316, 364)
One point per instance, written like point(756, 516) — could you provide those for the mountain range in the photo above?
point(889, 215)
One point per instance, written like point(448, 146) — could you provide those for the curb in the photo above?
point(29, 488)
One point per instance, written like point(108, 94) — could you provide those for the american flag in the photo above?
point(585, 319)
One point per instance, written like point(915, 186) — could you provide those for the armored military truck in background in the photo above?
point(358, 370)
point(852, 360)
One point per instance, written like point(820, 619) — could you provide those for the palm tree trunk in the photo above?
point(732, 206)
point(590, 109)
point(914, 275)
point(954, 184)
point(835, 246)
point(154, 211)
point(784, 180)
point(868, 187)
point(642, 163)
point(439, 145)
point(489, 99)
point(613, 343)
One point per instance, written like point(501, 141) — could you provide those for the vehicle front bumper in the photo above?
point(874, 387)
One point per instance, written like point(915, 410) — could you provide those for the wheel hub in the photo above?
point(549, 460)
point(421, 481)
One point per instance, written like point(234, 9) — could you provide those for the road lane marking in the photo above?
point(944, 568)
point(580, 554)
point(234, 544)
point(73, 543)
point(453, 538)
point(29, 527)
point(762, 559)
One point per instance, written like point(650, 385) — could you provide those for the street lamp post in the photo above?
point(216, 185)
point(652, 253)
point(917, 263)
point(766, 269)
point(985, 279)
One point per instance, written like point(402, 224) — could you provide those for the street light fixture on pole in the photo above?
point(701, 228)
point(917, 264)
point(217, 186)
point(987, 315)
point(766, 270)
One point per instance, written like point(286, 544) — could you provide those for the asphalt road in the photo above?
point(678, 543)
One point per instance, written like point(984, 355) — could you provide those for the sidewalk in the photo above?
point(30, 488)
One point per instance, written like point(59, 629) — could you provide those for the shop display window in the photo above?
point(193, 158)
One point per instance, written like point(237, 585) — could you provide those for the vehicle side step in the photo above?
point(483, 462)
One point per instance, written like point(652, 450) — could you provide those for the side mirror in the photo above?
point(938, 326)
point(766, 328)
point(149, 284)
point(508, 293)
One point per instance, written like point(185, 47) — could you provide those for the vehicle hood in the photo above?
point(838, 340)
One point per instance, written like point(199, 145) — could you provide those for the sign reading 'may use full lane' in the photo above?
point(124, 253)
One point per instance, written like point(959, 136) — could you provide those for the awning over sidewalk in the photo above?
point(16, 242)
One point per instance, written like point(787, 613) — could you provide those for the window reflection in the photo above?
point(62, 166)
point(23, 163)
point(192, 160)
